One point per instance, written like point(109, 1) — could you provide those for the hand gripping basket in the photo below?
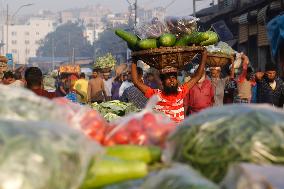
point(218, 60)
point(176, 57)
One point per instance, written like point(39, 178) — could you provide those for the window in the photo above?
point(37, 33)
point(37, 25)
point(37, 42)
point(14, 33)
point(27, 42)
point(14, 51)
point(27, 33)
point(27, 51)
point(14, 42)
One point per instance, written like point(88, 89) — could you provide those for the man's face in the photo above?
point(106, 77)
point(150, 78)
point(95, 74)
point(124, 77)
point(215, 73)
point(8, 81)
point(271, 75)
point(170, 84)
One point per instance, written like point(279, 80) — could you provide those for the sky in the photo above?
point(176, 7)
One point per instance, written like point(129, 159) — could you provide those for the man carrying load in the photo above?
point(171, 96)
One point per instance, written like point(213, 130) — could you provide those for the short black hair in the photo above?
point(270, 67)
point(18, 75)
point(96, 70)
point(8, 74)
point(82, 75)
point(33, 77)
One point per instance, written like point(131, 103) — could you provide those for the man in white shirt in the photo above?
point(126, 83)
point(108, 84)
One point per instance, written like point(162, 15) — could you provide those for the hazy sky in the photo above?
point(177, 7)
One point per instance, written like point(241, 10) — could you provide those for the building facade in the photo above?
point(24, 40)
point(247, 20)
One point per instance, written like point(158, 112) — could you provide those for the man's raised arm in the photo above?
point(199, 72)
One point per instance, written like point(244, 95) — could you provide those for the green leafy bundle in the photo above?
point(107, 61)
point(214, 139)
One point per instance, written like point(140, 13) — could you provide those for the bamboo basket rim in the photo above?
point(167, 50)
point(219, 55)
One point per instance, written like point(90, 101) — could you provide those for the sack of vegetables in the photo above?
point(38, 154)
point(143, 128)
point(216, 138)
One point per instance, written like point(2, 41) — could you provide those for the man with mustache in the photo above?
point(270, 86)
point(172, 95)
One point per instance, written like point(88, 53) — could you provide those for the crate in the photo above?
point(176, 57)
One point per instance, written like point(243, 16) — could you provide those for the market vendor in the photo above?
point(172, 95)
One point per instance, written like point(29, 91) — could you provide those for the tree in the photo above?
point(108, 42)
point(63, 40)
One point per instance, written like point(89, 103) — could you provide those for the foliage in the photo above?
point(62, 41)
point(108, 42)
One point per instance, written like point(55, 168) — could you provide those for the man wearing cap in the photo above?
point(171, 96)
point(270, 87)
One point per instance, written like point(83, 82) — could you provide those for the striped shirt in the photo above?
point(171, 105)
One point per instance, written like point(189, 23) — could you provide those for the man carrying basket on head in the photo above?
point(171, 96)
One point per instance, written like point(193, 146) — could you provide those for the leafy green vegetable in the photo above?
point(214, 139)
point(107, 61)
point(114, 109)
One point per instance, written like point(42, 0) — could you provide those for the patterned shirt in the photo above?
point(267, 95)
point(171, 105)
point(134, 95)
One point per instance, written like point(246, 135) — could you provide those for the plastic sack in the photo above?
point(143, 128)
point(180, 26)
point(178, 176)
point(43, 155)
point(216, 138)
point(152, 29)
point(251, 176)
point(83, 118)
point(23, 105)
point(222, 48)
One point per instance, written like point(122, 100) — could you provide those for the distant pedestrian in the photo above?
point(81, 87)
point(115, 87)
point(270, 86)
point(8, 78)
point(96, 88)
point(108, 85)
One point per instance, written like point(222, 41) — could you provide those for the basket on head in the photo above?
point(217, 60)
point(176, 57)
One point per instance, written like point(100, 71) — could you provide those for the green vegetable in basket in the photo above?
point(167, 40)
point(185, 40)
point(148, 44)
point(130, 38)
point(214, 139)
point(110, 170)
point(106, 61)
point(213, 38)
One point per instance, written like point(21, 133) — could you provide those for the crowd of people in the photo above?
point(179, 94)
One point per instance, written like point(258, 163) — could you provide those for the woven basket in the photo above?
point(217, 60)
point(176, 57)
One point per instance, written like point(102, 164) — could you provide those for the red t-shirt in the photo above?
point(200, 97)
point(171, 105)
point(44, 93)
